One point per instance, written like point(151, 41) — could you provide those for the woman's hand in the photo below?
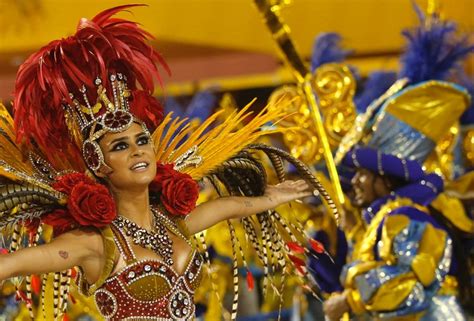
point(335, 307)
point(287, 191)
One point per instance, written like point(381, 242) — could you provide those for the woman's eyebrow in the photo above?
point(117, 140)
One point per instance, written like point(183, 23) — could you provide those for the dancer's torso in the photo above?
point(143, 287)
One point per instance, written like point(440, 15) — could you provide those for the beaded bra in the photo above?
point(148, 289)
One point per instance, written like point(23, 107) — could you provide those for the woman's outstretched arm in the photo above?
point(75, 248)
point(224, 208)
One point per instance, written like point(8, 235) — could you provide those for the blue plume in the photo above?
point(327, 48)
point(172, 105)
point(376, 84)
point(201, 105)
point(433, 49)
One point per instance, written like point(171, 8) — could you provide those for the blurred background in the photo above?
point(224, 43)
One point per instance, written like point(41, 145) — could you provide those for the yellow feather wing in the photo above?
point(12, 159)
point(218, 144)
point(14, 163)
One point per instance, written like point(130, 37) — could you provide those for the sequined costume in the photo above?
point(404, 267)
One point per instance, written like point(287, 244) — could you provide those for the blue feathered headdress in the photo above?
point(433, 49)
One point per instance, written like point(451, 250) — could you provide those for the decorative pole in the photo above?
point(281, 34)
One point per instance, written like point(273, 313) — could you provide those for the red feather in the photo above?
point(295, 247)
point(250, 280)
point(317, 246)
point(101, 46)
point(35, 284)
point(65, 317)
point(296, 260)
point(3, 251)
point(21, 296)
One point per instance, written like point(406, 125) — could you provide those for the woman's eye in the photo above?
point(143, 140)
point(119, 146)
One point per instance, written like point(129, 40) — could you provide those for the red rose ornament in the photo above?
point(178, 191)
point(91, 205)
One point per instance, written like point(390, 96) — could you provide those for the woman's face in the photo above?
point(368, 187)
point(130, 156)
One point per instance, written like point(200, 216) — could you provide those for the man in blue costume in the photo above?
point(404, 268)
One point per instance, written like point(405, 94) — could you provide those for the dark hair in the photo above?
point(463, 256)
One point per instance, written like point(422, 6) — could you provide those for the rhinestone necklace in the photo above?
point(158, 240)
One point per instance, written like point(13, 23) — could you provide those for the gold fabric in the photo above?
point(430, 108)
point(453, 210)
point(463, 187)
point(392, 293)
point(449, 286)
point(355, 301)
point(393, 226)
point(430, 252)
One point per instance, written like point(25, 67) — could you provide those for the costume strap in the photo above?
point(123, 246)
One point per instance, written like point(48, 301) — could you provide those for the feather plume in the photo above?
point(433, 49)
point(100, 47)
point(375, 86)
point(327, 48)
point(217, 144)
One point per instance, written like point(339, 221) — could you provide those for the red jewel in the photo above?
point(91, 156)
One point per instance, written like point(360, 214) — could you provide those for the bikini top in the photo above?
point(146, 289)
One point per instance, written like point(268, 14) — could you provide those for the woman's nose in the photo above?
point(137, 151)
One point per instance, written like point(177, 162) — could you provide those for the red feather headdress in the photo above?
point(50, 78)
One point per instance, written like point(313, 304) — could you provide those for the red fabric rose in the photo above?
point(60, 220)
point(91, 205)
point(65, 183)
point(179, 194)
point(163, 172)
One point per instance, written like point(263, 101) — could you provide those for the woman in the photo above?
point(128, 228)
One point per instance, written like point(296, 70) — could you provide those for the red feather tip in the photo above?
point(317, 246)
point(3, 251)
point(35, 284)
point(250, 280)
point(296, 260)
point(295, 247)
point(21, 296)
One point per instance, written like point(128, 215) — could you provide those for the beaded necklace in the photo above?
point(158, 240)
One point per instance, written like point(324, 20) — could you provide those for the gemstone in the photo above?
point(147, 268)
point(131, 275)
point(163, 269)
point(175, 304)
point(185, 311)
point(190, 275)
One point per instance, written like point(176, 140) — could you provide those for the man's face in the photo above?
point(364, 191)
